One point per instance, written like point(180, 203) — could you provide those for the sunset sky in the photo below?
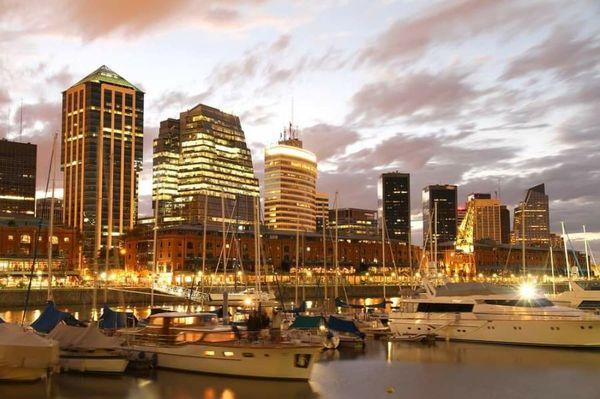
point(495, 96)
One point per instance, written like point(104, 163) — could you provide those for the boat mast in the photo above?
point(224, 243)
point(383, 249)
point(325, 287)
point(523, 258)
point(204, 246)
point(552, 269)
point(562, 225)
point(297, 256)
point(258, 251)
point(51, 227)
point(587, 257)
point(435, 230)
point(154, 256)
point(335, 247)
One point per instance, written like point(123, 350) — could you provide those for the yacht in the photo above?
point(246, 297)
point(494, 314)
point(196, 342)
point(24, 355)
point(582, 295)
point(313, 330)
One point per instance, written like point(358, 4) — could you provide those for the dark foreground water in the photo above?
point(383, 370)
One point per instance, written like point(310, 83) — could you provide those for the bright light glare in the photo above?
point(527, 291)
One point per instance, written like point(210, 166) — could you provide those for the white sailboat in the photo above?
point(24, 355)
point(494, 314)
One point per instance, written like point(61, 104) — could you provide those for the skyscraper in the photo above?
point(393, 195)
point(355, 222)
point(445, 196)
point(42, 209)
point(101, 157)
point(290, 184)
point(482, 222)
point(202, 159)
point(17, 178)
point(536, 218)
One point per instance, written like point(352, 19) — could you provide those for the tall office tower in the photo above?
point(165, 168)
point(101, 157)
point(42, 209)
point(505, 224)
point(536, 218)
point(202, 159)
point(17, 178)
point(482, 222)
point(355, 222)
point(393, 201)
point(446, 198)
point(290, 184)
point(322, 209)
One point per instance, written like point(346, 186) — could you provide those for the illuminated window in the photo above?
point(10, 238)
point(66, 239)
point(228, 354)
point(209, 353)
point(25, 239)
point(54, 240)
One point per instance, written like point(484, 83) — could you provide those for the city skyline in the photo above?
point(426, 120)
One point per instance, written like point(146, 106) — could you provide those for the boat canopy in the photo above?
point(308, 322)
point(112, 319)
point(89, 337)
point(51, 317)
point(343, 325)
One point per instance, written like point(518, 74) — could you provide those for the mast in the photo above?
point(154, 256)
point(435, 229)
point(562, 225)
point(335, 247)
point(552, 269)
point(383, 249)
point(224, 244)
point(258, 251)
point(297, 256)
point(523, 258)
point(204, 245)
point(325, 287)
point(410, 247)
point(587, 257)
point(51, 227)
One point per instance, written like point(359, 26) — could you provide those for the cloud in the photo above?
point(562, 53)
point(420, 97)
point(328, 141)
point(452, 21)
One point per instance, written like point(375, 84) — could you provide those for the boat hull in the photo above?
point(289, 363)
point(548, 332)
point(99, 362)
point(22, 374)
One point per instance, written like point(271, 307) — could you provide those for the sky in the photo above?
point(494, 96)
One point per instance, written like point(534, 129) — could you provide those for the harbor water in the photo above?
point(382, 370)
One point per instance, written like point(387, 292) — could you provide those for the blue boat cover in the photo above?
point(307, 322)
point(111, 319)
point(50, 318)
point(343, 325)
point(300, 309)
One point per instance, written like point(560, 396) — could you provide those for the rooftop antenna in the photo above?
point(21, 123)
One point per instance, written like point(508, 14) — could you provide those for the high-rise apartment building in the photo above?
point(101, 158)
point(505, 224)
point(322, 208)
point(393, 195)
point(532, 218)
point(445, 196)
point(202, 165)
point(290, 185)
point(17, 178)
point(355, 222)
point(43, 206)
point(482, 222)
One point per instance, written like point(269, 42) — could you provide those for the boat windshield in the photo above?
point(522, 303)
point(185, 321)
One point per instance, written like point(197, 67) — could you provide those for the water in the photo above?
point(382, 370)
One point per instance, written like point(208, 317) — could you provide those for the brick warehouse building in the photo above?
point(17, 244)
point(180, 249)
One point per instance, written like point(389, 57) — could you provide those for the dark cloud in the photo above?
point(421, 97)
point(562, 53)
point(452, 21)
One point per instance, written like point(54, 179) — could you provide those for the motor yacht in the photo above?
point(582, 295)
point(197, 342)
point(494, 314)
point(246, 297)
point(312, 330)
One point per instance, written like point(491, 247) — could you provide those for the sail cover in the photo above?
point(88, 338)
point(24, 348)
point(342, 325)
point(51, 317)
point(111, 319)
point(307, 322)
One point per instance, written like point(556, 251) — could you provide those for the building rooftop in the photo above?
point(107, 75)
